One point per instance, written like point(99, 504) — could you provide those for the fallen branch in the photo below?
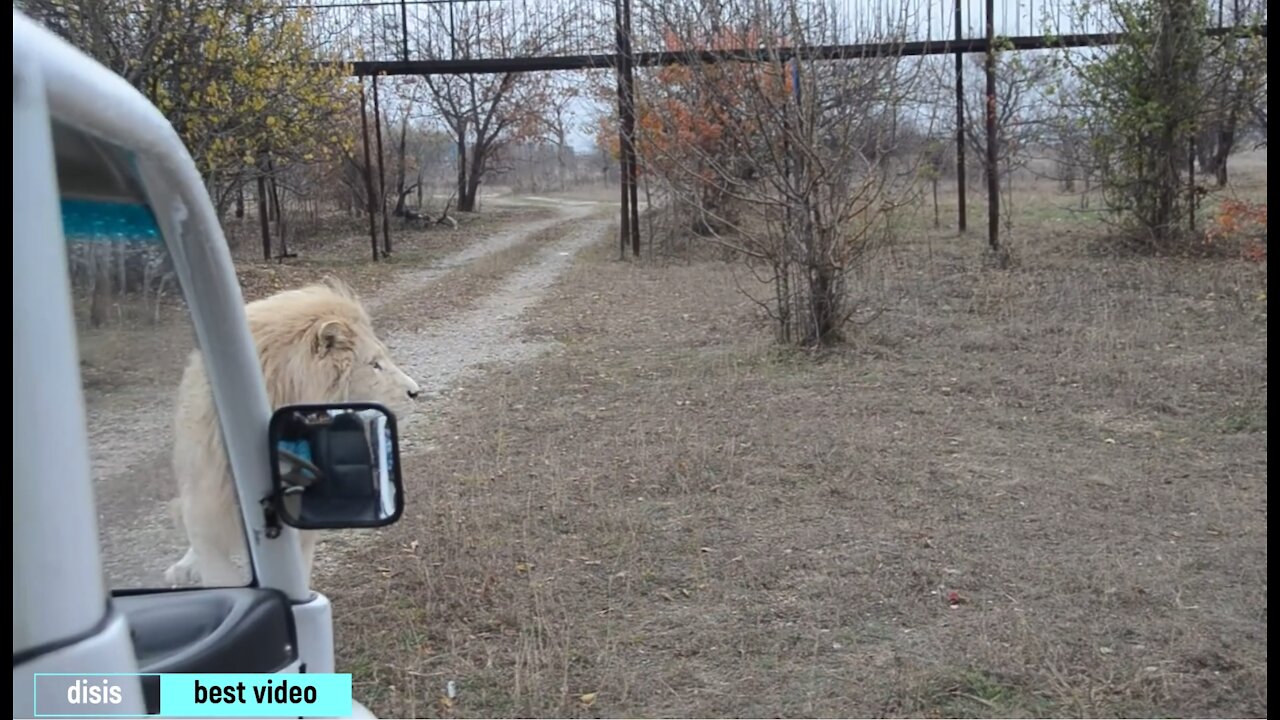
point(444, 218)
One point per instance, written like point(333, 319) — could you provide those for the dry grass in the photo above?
point(674, 517)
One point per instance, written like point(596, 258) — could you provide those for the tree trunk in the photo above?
point(824, 306)
point(263, 221)
point(279, 211)
point(402, 165)
point(1226, 140)
point(1205, 151)
point(937, 220)
point(466, 201)
point(561, 165)
point(469, 179)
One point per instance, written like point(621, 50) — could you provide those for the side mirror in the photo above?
point(335, 466)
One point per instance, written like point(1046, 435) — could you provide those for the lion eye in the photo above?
point(377, 365)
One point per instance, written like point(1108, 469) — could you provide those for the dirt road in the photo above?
point(129, 419)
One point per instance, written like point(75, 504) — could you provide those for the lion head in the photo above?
point(317, 344)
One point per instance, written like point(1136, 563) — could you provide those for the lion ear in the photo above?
point(334, 335)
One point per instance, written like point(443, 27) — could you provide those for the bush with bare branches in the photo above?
point(785, 162)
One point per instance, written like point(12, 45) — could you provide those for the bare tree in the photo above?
point(1023, 110)
point(936, 158)
point(398, 119)
point(481, 111)
point(1070, 135)
point(1234, 77)
point(788, 163)
point(556, 122)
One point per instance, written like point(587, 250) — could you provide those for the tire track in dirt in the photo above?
point(469, 343)
point(417, 279)
point(130, 430)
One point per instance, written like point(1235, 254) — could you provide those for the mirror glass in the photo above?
point(336, 466)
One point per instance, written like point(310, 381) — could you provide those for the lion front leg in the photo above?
point(184, 571)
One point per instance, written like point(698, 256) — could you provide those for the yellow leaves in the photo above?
point(588, 699)
point(235, 79)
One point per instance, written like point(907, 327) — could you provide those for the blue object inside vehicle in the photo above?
point(301, 448)
point(106, 221)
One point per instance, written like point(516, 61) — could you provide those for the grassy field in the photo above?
point(1039, 490)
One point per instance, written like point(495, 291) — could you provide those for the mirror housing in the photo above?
point(335, 466)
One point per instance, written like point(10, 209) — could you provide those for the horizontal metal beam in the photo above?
point(492, 66)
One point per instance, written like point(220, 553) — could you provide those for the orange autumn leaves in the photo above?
point(703, 111)
point(1243, 220)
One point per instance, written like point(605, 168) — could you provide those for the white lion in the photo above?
point(316, 345)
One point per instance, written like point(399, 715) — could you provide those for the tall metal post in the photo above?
point(633, 163)
point(962, 218)
point(404, 29)
point(382, 171)
point(624, 167)
point(993, 157)
point(368, 173)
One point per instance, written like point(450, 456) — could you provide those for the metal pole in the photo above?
point(632, 162)
point(368, 174)
point(382, 171)
point(453, 36)
point(624, 169)
point(962, 218)
point(993, 161)
point(404, 29)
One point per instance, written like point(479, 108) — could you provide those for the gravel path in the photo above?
point(130, 429)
